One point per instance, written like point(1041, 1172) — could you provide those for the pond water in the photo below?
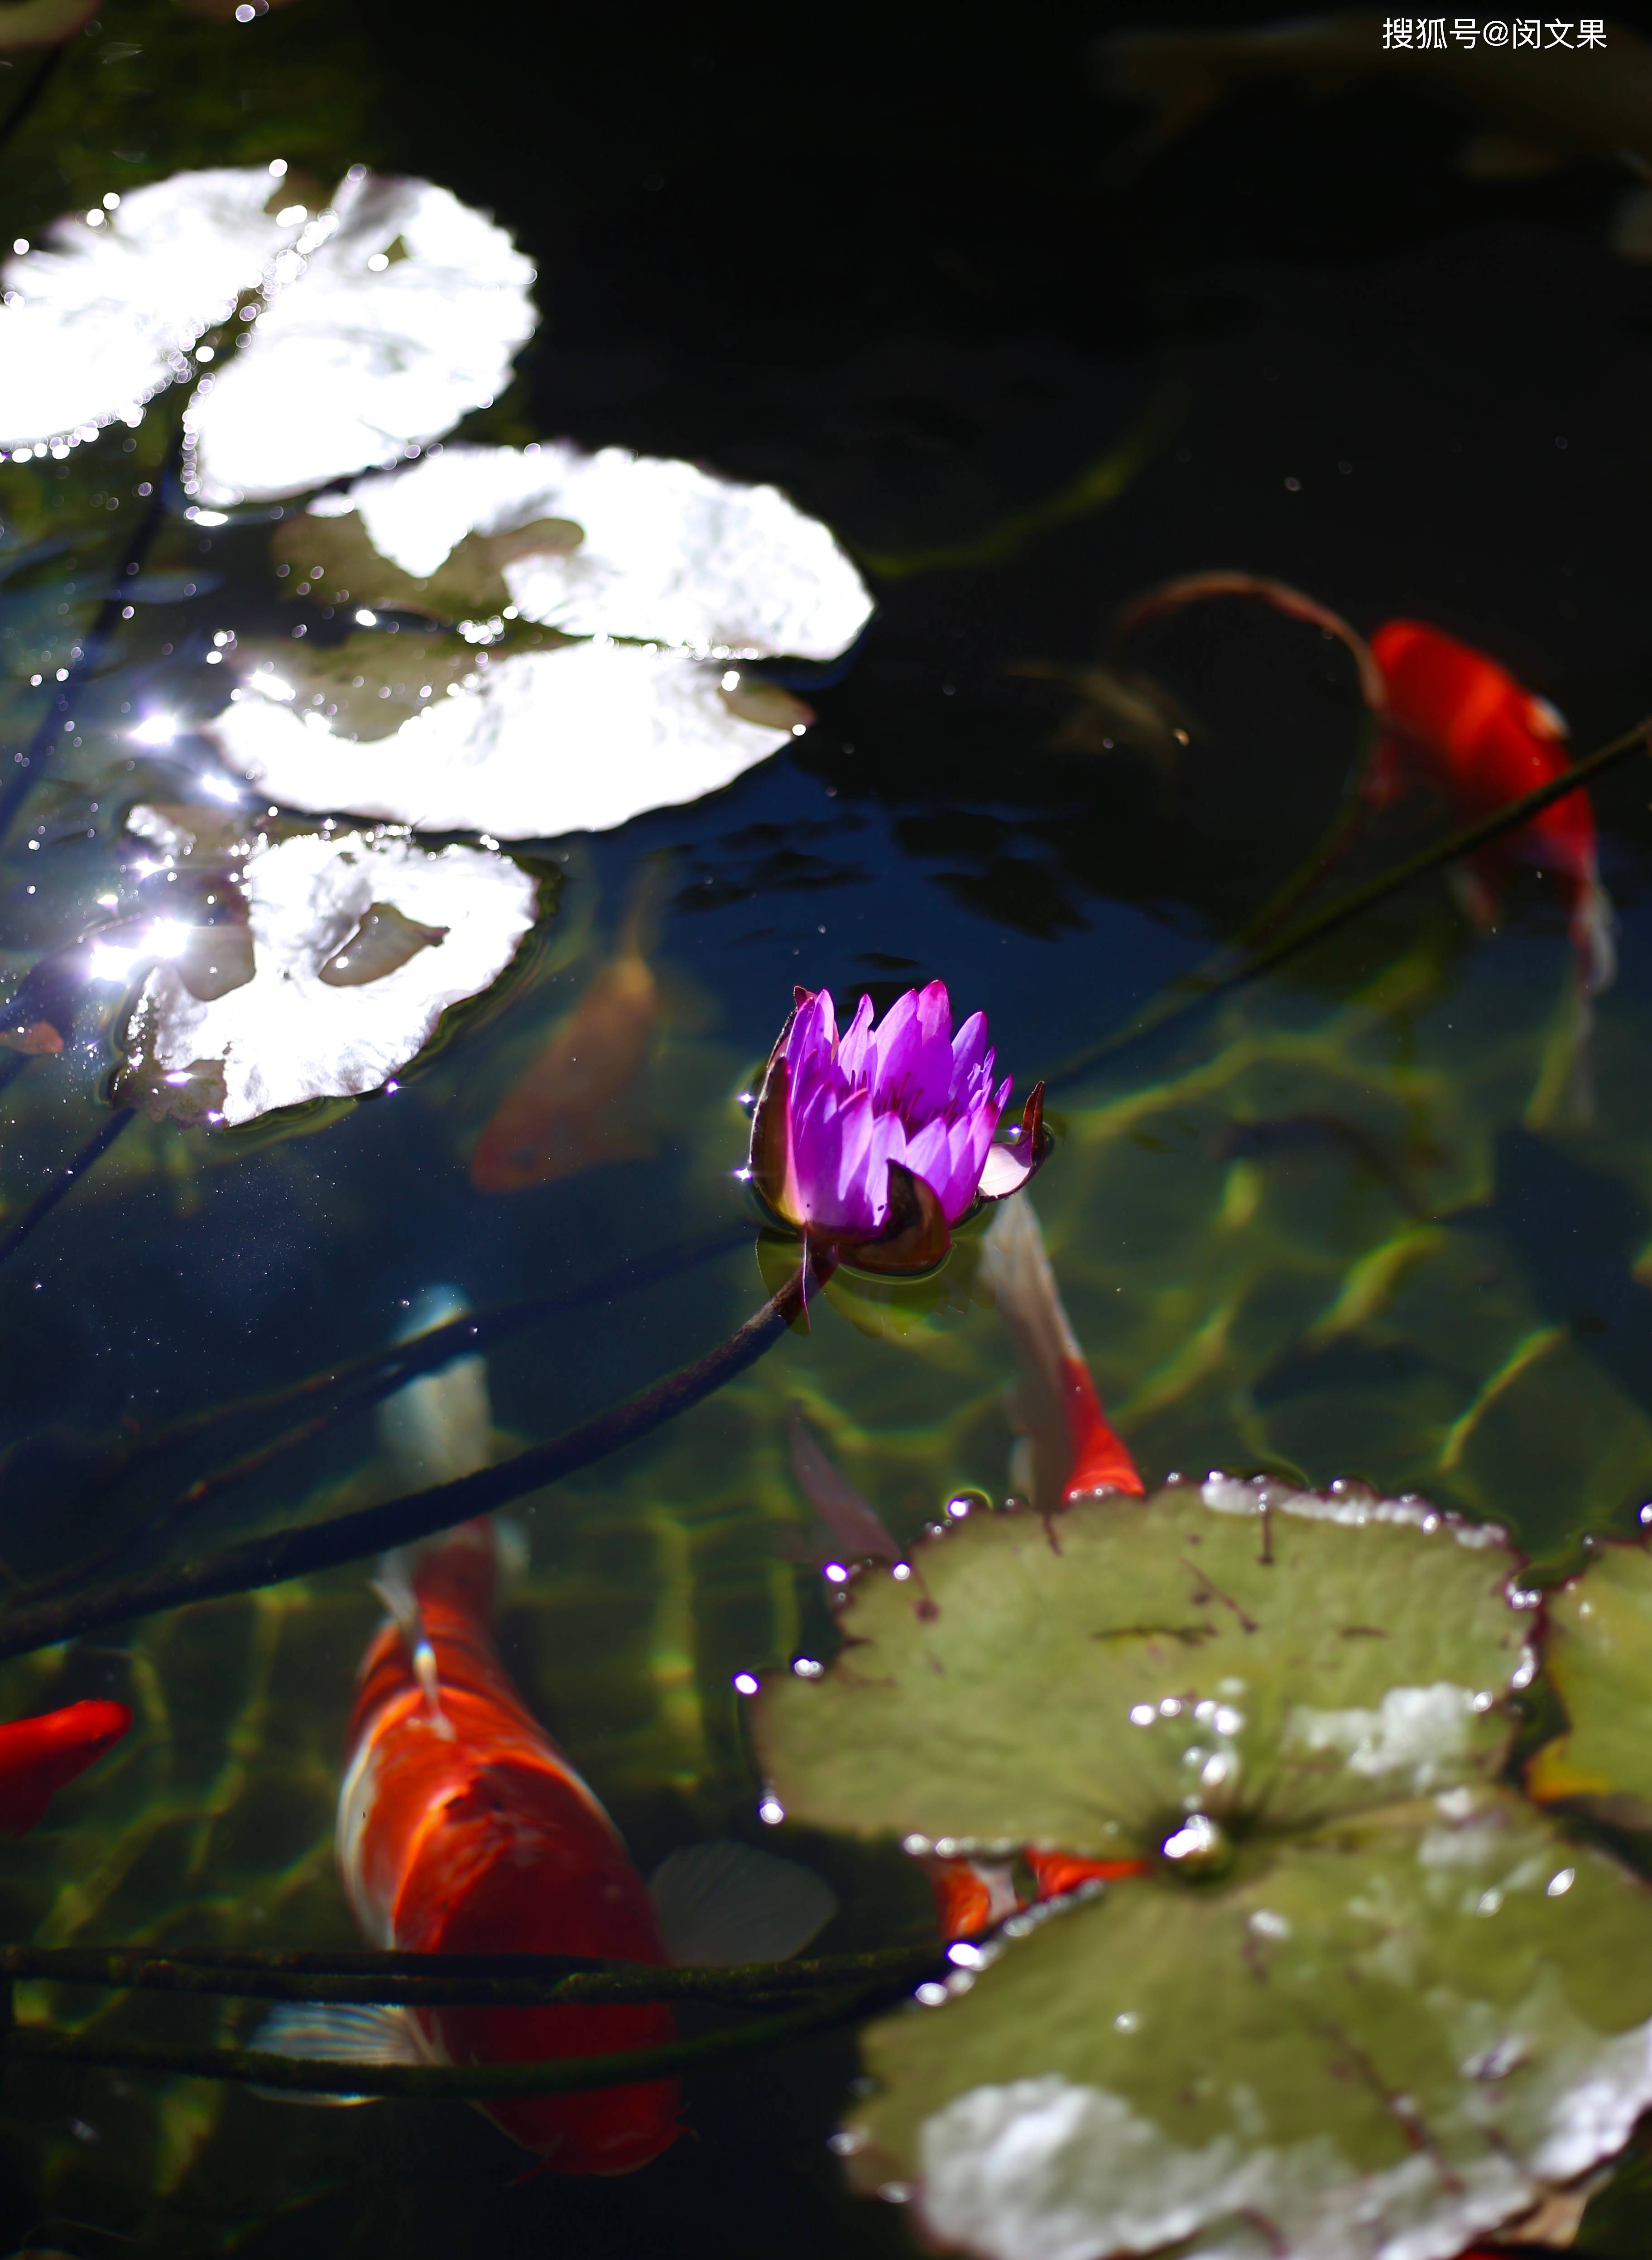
point(1381, 1212)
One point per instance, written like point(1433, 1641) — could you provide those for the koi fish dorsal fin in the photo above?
point(336, 2034)
point(718, 1904)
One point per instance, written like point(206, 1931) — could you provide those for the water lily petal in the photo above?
point(857, 1041)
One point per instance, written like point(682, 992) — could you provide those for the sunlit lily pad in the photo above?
point(353, 946)
point(375, 324)
point(610, 544)
point(1364, 2002)
point(1597, 1655)
point(1372, 2043)
point(1081, 1681)
point(524, 745)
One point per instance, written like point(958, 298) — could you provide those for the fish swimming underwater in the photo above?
point(463, 1829)
point(39, 1755)
point(567, 1111)
point(1582, 101)
point(1456, 717)
point(1067, 1448)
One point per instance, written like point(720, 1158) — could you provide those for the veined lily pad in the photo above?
point(1365, 2005)
point(1371, 2042)
point(1598, 1653)
point(1231, 1648)
point(610, 544)
point(528, 745)
point(359, 942)
point(375, 324)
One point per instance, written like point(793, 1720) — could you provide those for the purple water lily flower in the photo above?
point(877, 1141)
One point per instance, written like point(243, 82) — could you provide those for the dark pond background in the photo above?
point(907, 266)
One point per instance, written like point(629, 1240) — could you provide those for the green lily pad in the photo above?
point(1598, 1653)
point(1267, 1657)
point(1373, 2042)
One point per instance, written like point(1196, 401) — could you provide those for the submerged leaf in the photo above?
point(1598, 1653)
point(435, 928)
point(1371, 2043)
point(1083, 1680)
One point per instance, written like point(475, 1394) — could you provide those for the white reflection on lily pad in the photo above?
point(531, 744)
point(374, 324)
point(669, 552)
point(360, 942)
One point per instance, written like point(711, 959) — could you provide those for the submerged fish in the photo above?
point(1456, 717)
point(568, 1109)
point(1580, 102)
point(976, 1895)
point(853, 1531)
point(39, 1755)
point(1067, 1449)
point(463, 1829)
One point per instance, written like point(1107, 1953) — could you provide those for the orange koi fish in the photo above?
point(1458, 720)
point(1068, 1449)
point(568, 1109)
point(463, 1828)
point(38, 1755)
point(973, 1895)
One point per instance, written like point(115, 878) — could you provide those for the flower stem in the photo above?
point(448, 1980)
point(1199, 987)
point(33, 762)
point(272, 1560)
point(76, 1168)
point(476, 2082)
point(351, 1388)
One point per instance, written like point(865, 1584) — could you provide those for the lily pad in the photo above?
point(1364, 2002)
point(610, 544)
point(1371, 2042)
point(353, 946)
point(1597, 1655)
point(527, 745)
point(1080, 1682)
point(371, 327)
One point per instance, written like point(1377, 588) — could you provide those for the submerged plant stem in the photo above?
point(32, 763)
point(560, 2076)
point(1199, 988)
point(450, 1980)
point(352, 1387)
point(272, 1560)
point(76, 1168)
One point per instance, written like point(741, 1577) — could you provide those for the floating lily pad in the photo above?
point(1597, 1655)
point(1375, 2040)
point(373, 325)
point(360, 942)
point(1363, 2005)
point(609, 544)
point(528, 745)
point(1081, 1681)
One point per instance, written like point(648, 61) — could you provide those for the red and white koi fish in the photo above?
point(38, 1755)
point(976, 1895)
point(1456, 717)
point(1068, 1449)
point(463, 1828)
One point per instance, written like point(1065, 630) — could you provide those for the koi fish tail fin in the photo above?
point(439, 1427)
point(1594, 933)
point(639, 935)
point(1073, 1448)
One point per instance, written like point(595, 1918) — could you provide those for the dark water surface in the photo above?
point(1339, 1222)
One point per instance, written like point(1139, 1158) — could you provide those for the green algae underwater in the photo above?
point(1342, 1222)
